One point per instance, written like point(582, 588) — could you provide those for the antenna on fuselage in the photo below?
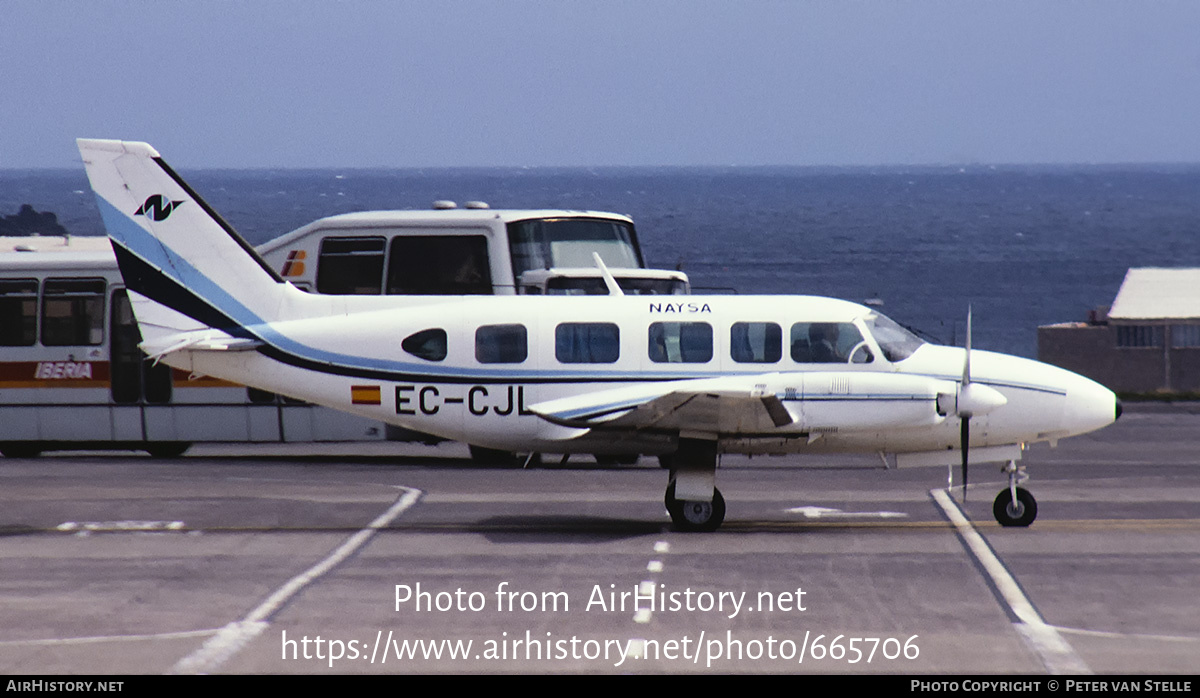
point(609, 281)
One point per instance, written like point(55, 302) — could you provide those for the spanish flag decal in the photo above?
point(365, 395)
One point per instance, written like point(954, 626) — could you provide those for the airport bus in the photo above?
point(72, 376)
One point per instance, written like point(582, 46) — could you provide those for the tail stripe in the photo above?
point(158, 256)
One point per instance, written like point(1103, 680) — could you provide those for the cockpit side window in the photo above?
point(896, 343)
point(829, 343)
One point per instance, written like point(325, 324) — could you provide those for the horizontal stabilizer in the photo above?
point(200, 340)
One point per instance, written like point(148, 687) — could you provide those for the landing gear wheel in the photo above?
point(1019, 513)
point(695, 516)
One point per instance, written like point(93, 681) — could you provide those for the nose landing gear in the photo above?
point(1015, 506)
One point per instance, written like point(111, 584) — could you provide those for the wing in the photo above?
point(759, 404)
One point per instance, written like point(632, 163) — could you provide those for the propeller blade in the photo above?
point(967, 361)
point(965, 442)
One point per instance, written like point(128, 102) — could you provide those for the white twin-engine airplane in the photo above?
point(682, 377)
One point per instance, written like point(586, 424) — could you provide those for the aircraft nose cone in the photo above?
point(1119, 411)
point(1089, 406)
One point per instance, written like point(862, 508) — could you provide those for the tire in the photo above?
point(695, 516)
point(1020, 514)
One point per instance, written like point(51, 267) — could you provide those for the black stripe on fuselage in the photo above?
point(220, 221)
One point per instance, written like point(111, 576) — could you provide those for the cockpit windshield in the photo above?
point(896, 342)
point(569, 242)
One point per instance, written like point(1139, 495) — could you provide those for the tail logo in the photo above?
point(158, 207)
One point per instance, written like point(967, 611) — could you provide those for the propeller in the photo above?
point(973, 399)
point(964, 433)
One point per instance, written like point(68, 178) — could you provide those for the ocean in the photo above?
point(1022, 246)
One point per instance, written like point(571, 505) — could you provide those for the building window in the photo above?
point(587, 343)
point(1185, 336)
point(73, 312)
point(18, 312)
point(755, 342)
point(501, 344)
point(1139, 336)
point(426, 344)
point(681, 342)
point(351, 265)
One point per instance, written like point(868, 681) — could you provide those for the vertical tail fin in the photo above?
point(173, 249)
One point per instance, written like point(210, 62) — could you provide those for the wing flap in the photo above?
point(758, 404)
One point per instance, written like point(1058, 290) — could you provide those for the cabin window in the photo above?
point(18, 312)
point(426, 344)
point(1130, 336)
point(587, 343)
point(439, 265)
point(1185, 336)
point(501, 344)
point(72, 312)
point(828, 342)
point(351, 266)
point(681, 342)
point(756, 342)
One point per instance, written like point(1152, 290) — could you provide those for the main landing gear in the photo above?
point(1015, 506)
point(692, 500)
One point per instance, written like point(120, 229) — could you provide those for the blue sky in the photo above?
point(535, 82)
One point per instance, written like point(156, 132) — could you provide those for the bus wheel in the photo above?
point(494, 457)
point(167, 449)
point(20, 450)
point(610, 460)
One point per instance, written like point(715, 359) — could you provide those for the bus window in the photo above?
point(587, 343)
point(681, 342)
point(570, 242)
point(501, 344)
point(756, 342)
point(439, 265)
point(351, 265)
point(72, 312)
point(18, 312)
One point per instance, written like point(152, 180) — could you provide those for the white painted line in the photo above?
point(67, 526)
point(1056, 654)
point(654, 566)
point(234, 636)
point(662, 546)
point(108, 638)
point(1120, 636)
point(642, 616)
point(827, 513)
